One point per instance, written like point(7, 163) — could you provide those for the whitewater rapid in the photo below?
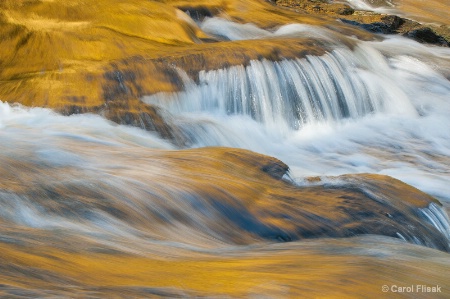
point(381, 107)
point(91, 208)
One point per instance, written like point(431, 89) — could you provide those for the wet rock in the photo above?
point(427, 35)
point(65, 57)
point(317, 6)
point(373, 22)
point(378, 24)
point(293, 270)
point(276, 170)
point(231, 195)
point(198, 13)
point(75, 61)
point(138, 114)
point(391, 24)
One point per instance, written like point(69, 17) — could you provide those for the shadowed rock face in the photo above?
point(390, 24)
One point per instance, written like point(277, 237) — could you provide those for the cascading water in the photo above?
point(378, 107)
point(438, 218)
point(358, 109)
point(293, 93)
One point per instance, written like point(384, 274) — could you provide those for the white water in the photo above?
point(382, 107)
point(438, 218)
point(381, 6)
point(291, 94)
point(229, 30)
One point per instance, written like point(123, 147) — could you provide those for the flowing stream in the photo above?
point(381, 107)
point(83, 183)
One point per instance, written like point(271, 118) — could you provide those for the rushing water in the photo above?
point(380, 107)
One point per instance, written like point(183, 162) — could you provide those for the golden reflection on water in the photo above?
point(120, 230)
point(107, 241)
point(65, 53)
point(429, 11)
point(350, 268)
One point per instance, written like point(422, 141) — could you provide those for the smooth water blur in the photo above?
point(381, 107)
point(101, 209)
point(291, 94)
point(228, 30)
point(373, 5)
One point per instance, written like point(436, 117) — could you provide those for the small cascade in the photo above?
point(435, 215)
point(270, 167)
point(289, 94)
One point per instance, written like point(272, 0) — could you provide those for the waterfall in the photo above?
point(290, 94)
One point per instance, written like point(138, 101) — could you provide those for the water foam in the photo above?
point(229, 30)
point(366, 110)
point(292, 93)
point(349, 111)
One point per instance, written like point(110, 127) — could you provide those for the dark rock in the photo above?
point(392, 22)
point(371, 21)
point(276, 170)
point(345, 10)
point(386, 24)
point(426, 35)
point(197, 12)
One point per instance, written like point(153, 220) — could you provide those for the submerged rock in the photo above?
point(427, 35)
point(232, 196)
